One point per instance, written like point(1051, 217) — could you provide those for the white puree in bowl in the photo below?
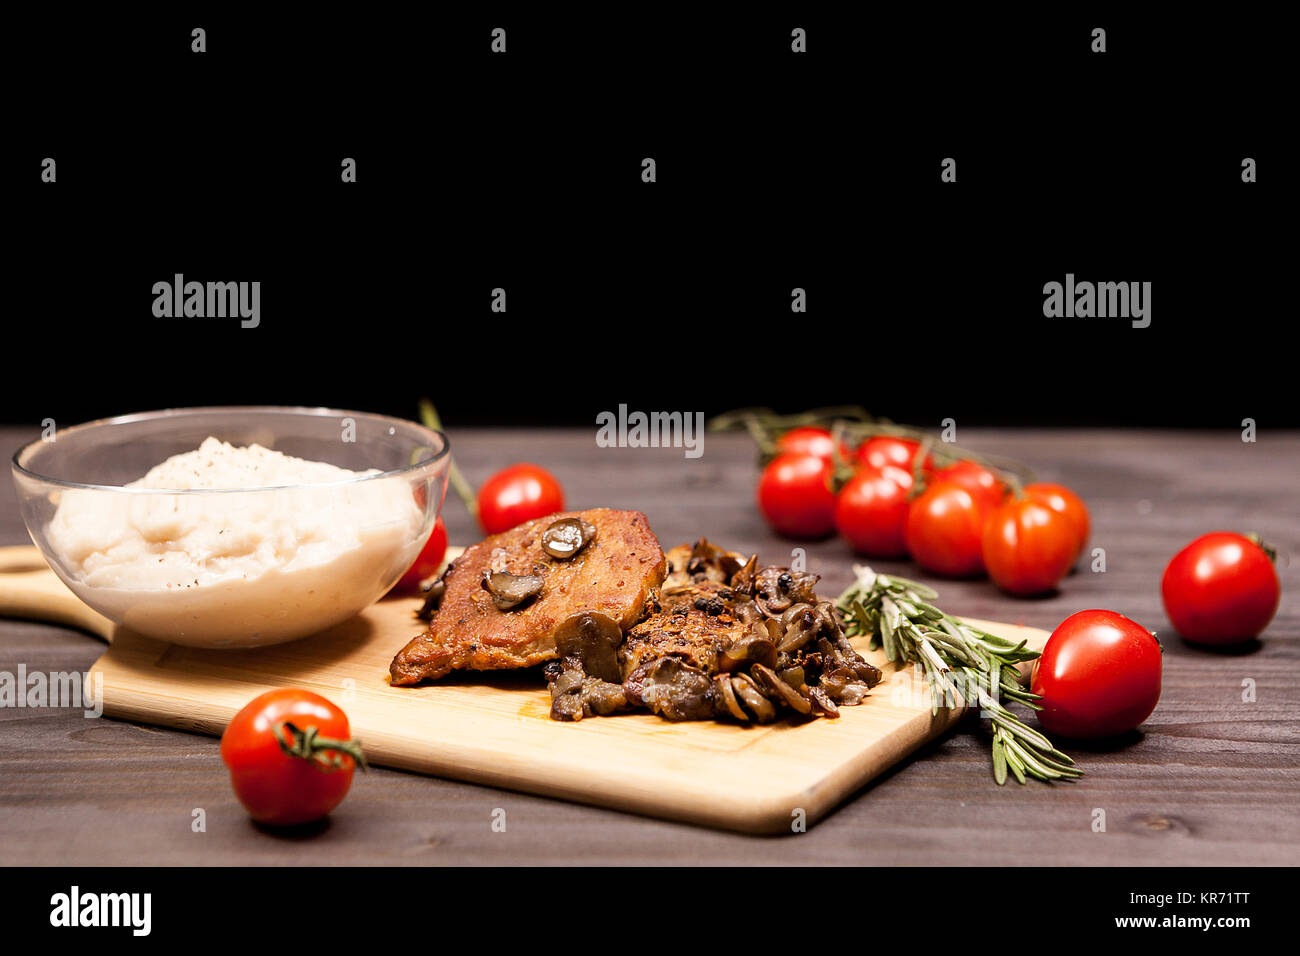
point(231, 568)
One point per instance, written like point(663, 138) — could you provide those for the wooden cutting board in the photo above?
point(495, 729)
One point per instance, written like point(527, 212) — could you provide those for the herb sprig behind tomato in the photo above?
point(289, 756)
point(510, 497)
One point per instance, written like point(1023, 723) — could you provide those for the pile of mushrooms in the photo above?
point(793, 657)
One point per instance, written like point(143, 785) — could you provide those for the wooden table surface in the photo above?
point(1211, 779)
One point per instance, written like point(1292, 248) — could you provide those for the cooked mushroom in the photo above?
point(748, 693)
point(745, 610)
point(564, 538)
point(672, 689)
point(575, 695)
point(757, 646)
point(722, 641)
point(799, 624)
point(742, 582)
point(822, 703)
point(726, 696)
point(795, 677)
point(768, 680)
point(593, 638)
point(776, 589)
point(510, 591)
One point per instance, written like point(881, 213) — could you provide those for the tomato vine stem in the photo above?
point(324, 752)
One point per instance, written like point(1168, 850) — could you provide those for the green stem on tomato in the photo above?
point(310, 745)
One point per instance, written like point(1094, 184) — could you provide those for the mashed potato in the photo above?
point(233, 567)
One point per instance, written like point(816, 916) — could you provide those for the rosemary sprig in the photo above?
point(960, 663)
point(429, 417)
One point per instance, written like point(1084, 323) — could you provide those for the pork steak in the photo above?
point(614, 575)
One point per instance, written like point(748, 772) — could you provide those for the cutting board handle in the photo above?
point(30, 590)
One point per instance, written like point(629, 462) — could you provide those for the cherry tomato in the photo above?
point(1220, 589)
point(887, 450)
point(1099, 675)
point(975, 478)
point(1028, 547)
point(809, 440)
point(1062, 499)
point(794, 494)
point(944, 528)
point(289, 756)
point(428, 561)
point(871, 510)
point(518, 494)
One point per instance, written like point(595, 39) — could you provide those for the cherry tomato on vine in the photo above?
point(289, 756)
point(871, 510)
point(1099, 675)
point(794, 494)
point(518, 494)
point(810, 440)
point(944, 529)
point(975, 478)
point(1220, 589)
point(1062, 499)
point(429, 559)
point(1028, 547)
point(882, 450)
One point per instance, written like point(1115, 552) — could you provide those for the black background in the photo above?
point(775, 170)
point(374, 906)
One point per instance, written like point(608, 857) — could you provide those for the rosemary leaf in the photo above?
point(897, 614)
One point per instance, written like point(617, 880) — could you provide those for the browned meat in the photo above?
point(492, 614)
point(733, 641)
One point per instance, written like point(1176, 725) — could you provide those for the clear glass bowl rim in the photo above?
point(165, 413)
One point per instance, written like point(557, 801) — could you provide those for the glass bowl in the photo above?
point(232, 567)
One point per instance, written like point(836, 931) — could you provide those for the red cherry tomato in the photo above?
point(428, 561)
point(944, 528)
point(871, 510)
point(1099, 675)
point(975, 478)
point(1028, 547)
point(809, 440)
point(1220, 589)
point(885, 450)
point(301, 784)
point(1062, 499)
point(518, 494)
point(794, 494)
